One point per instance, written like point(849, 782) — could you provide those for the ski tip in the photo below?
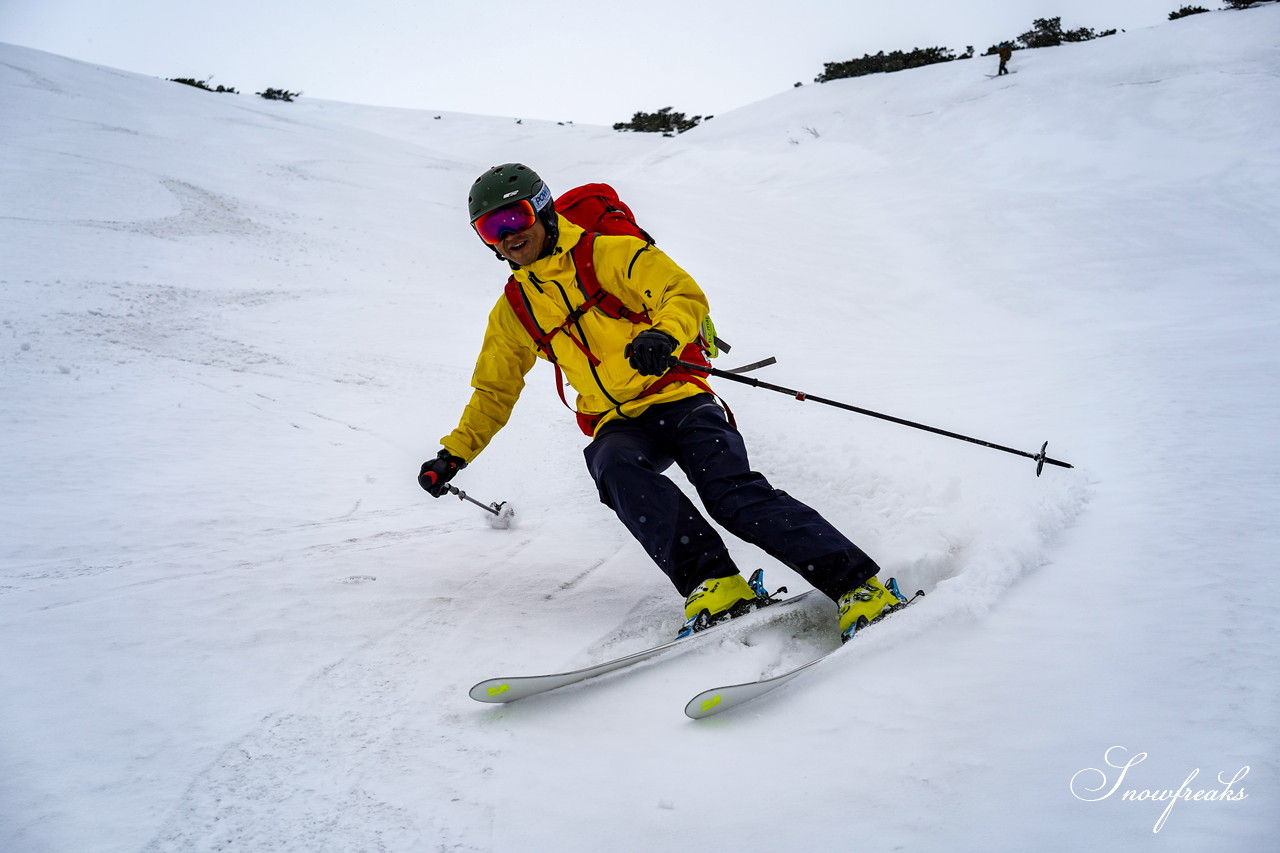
point(704, 705)
point(495, 690)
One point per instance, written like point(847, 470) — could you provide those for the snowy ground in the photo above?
point(230, 330)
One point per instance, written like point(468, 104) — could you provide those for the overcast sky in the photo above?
point(569, 60)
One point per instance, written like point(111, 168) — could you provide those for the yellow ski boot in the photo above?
point(718, 599)
point(868, 603)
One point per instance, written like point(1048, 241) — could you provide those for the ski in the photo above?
point(718, 699)
point(502, 690)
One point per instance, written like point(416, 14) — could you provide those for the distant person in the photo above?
point(1006, 53)
point(642, 416)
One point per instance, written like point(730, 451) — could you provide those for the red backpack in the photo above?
point(597, 209)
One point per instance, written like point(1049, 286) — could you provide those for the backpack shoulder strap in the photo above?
point(520, 306)
point(583, 254)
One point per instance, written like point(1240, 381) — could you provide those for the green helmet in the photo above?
point(505, 184)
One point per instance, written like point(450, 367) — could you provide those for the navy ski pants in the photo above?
point(627, 458)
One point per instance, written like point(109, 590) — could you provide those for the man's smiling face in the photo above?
point(524, 247)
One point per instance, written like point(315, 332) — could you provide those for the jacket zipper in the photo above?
point(582, 335)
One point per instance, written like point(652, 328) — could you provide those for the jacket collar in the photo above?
point(556, 262)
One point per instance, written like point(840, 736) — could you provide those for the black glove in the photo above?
point(650, 353)
point(436, 472)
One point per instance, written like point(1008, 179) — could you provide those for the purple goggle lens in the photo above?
point(513, 218)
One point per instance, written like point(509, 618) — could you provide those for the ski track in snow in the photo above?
point(328, 776)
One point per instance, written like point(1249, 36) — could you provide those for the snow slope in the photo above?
point(232, 329)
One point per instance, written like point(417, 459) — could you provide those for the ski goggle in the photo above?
point(513, 218)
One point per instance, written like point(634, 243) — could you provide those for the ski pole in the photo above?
point(1040, 458)
point(502, 512)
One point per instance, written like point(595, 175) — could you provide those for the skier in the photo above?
point(641, 421)
point(1006, 53)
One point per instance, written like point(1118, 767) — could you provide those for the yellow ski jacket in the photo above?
point(639, 274)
